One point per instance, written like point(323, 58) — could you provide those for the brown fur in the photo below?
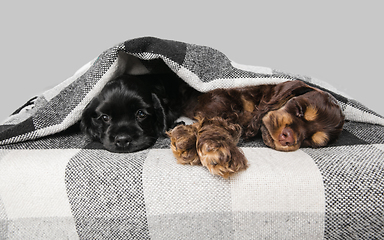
point(289, 115)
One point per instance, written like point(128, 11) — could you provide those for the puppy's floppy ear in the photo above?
point(285, 91)
point(88, 123)
point(161, 120)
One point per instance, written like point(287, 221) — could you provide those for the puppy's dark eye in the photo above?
point(105, 118)
point(141, 115)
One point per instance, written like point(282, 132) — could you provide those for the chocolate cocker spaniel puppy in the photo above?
point(289, 115)
point(131, 112)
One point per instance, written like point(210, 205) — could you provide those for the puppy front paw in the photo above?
point(183, 144)
point(221, 159)
point(216, 147)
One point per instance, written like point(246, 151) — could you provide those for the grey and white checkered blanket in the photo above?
point(56, 184)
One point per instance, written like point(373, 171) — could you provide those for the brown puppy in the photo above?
point(289, 115)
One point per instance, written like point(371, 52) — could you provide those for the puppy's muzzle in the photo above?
point(286, 137)
point(122, 140)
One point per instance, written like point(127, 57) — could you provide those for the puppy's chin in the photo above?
point(134, 146)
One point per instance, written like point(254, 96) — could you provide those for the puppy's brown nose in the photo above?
point(122, 141)
point(286, 137)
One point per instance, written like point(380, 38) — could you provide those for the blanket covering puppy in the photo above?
point(201, 67)
point(56, 184)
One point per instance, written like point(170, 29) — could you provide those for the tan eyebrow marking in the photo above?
point(310, 114)
point(247, 105)
point(320, 138)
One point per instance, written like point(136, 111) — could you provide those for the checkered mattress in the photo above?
point(57, 184)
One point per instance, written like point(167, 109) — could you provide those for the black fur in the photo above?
point(131, 112)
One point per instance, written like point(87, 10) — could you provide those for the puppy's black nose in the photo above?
point(122, 140)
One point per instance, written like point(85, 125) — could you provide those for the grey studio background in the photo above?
point(340, 42)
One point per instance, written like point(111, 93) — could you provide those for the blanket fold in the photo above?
point(202, 67)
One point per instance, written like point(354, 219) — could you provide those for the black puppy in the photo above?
point(131, 112)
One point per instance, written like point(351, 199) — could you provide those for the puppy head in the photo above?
point(125, 117)
point(308, 117)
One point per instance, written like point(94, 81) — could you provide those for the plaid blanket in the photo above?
point(57, 184)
